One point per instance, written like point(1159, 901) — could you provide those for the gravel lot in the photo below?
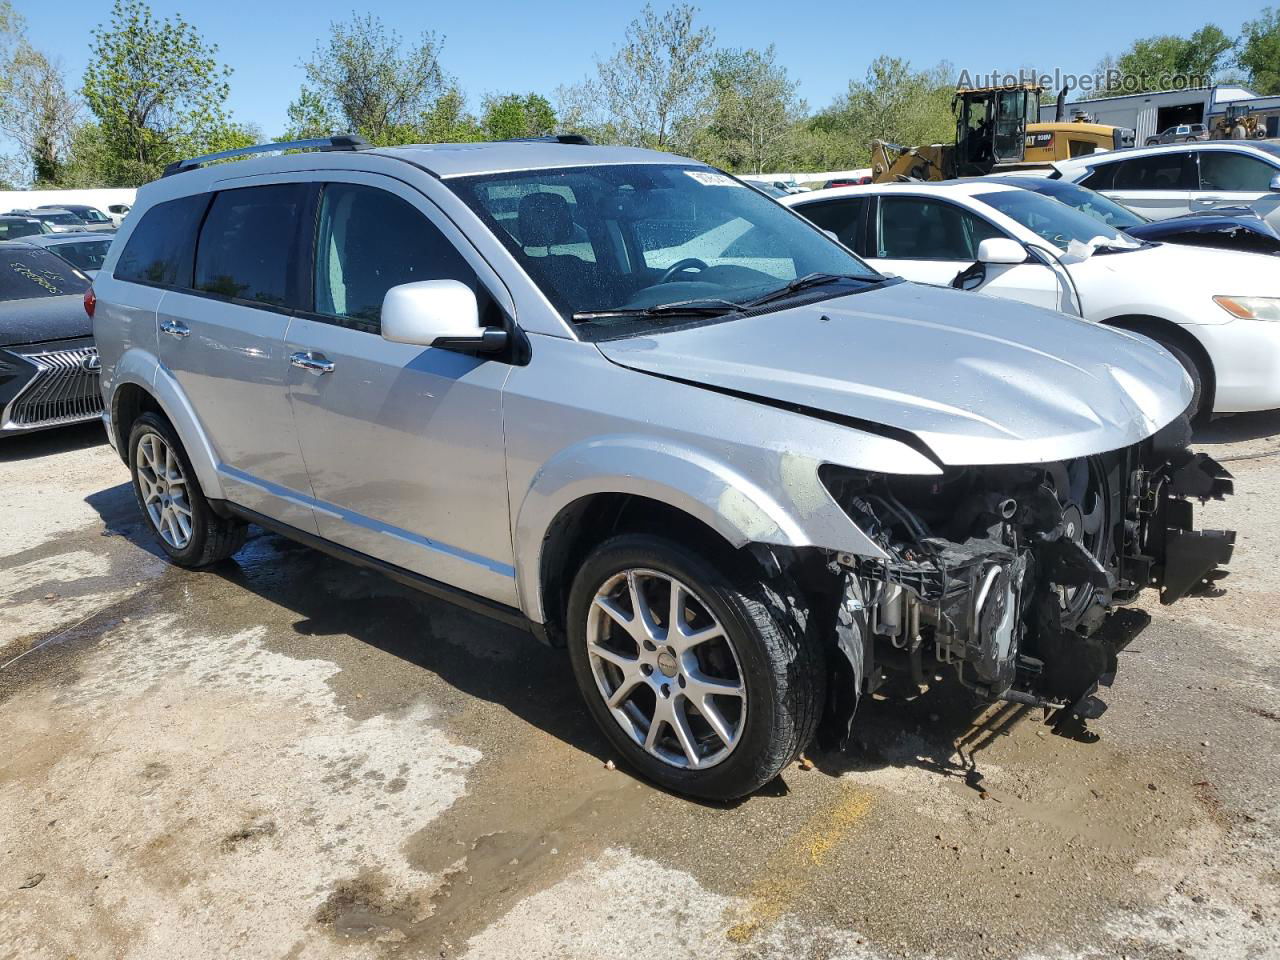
point(288, 757)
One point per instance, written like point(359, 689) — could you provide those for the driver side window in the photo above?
point(919, 228)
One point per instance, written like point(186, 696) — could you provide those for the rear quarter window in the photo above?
point(161, 249)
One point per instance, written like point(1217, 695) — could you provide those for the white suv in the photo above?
point(626, 400)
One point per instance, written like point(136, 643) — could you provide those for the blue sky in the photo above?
point(504, 45)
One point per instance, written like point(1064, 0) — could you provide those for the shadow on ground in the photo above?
point(43, 443)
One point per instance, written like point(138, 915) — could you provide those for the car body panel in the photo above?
point(989, 383)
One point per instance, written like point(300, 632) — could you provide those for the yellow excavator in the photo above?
point(998, 130)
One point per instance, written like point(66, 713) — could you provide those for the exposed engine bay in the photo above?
point(1012, 576)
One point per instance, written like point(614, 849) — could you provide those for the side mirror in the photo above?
point(1275, 183)
point(437, 313)
point(832, 235)
point(1001, 250)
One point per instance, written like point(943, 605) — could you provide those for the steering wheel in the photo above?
point(688, 263)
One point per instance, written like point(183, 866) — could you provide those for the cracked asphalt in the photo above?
point(286, 757)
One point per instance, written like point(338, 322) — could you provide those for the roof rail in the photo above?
point(346, 141)
point(575, 138)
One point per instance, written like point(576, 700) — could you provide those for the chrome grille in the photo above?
point(64, 390)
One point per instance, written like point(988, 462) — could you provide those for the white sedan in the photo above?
point(1176, 179)
point(1216, 311)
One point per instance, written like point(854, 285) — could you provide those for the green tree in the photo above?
point(894, 103)
point(655, 85)
point(364, 79)
point(754, 113)
point(448, 120)
point(37, 111)
point(156, 90)
point(516, 115)
point(1162, 62)
point(1259, 52)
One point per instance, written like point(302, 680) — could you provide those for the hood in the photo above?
point(976, 379)
point(43, 318)
point(1205, 222)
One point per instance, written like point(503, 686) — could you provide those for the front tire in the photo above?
point(1199, 410)
point(700, 674)
point(171, 501)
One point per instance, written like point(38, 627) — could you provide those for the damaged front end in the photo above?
point(1011, 576)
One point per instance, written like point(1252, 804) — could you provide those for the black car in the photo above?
point(48, 362)
point(1227, 228)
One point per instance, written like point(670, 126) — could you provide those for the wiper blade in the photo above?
point(804, 283)
point(702, 307)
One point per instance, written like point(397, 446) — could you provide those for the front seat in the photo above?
point(544, 221)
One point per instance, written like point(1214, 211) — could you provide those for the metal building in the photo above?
point(1150, 113)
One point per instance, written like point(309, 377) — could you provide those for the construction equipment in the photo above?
point(1238, 123)
point(998, 129)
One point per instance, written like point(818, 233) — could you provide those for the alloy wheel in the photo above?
point(164, 490)
point(666, 669)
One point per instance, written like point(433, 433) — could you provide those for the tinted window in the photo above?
point(1162, 171)
point(11, 229)
point(26, 272)
point(1224, 170)
point(1085, 200)
point(160, 250)
point(841, 217)
point(370, 241)
point(913, 228)
point(248, 249)
point(85, 254)
point(61, 219)
point(1101, 178)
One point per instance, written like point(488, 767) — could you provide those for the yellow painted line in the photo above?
point(787, 873)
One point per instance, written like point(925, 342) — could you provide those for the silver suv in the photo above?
point(628, 401)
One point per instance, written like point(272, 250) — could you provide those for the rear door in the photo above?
point(404, 444)
point(221, 335)
point(1158, 186)
point(931, 240)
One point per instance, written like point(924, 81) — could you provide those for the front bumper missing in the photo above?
point(951, 605)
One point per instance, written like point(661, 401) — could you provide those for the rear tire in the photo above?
point(171, 501)
point(759, 649)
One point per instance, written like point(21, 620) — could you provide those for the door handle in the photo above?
point(175, 328)
point(315, 363)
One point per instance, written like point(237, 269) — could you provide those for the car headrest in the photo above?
point(544, 220)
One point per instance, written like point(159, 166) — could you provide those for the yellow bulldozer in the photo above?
point(998, 129)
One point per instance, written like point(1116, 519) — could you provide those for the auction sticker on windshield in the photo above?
point(709, 178)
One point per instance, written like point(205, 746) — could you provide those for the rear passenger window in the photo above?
point(161, 247)
point(249, 246)
point(370, 241)
point(1101, 178)
point(841, 217)
point(1160, 171)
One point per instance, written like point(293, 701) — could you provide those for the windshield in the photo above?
point(1050, 220)
point(90, 215)
point(1086, 201)
point(85, 254)
point(37, 273)
point(637, 237)
point(62, 219)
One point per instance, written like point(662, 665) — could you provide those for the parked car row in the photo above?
point(746, 475)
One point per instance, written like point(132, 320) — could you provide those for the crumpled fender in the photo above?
point(798, 513)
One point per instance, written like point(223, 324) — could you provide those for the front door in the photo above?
point(222, 338)
point(1230, 178)
point(930, 240)
point(404, 444)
